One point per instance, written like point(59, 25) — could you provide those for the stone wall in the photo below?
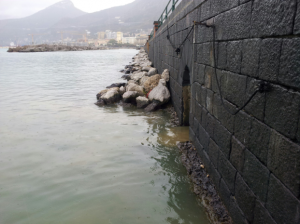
point(252, 157)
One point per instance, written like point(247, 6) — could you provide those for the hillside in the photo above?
point(44, 18)
point(139, 14)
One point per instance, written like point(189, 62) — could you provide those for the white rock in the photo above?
point(146, 68)
point(143, 80)
point(136, 77)
point(160, 93)
point(135, 87)
point(166, 75)
point(112, 96)
point(122, 90)
point(152, 71)
point(142, 102)
point(132, 81)
point(130, 96)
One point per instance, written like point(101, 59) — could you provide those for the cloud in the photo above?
point(21, 8)
point(10, 9)
point(93, 6)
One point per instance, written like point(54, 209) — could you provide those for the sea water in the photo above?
point(64, 160)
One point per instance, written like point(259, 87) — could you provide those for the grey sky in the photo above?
point(10, 9)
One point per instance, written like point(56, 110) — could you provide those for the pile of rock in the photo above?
point(144, 88)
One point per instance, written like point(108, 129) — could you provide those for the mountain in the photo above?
point(44, 18)
point(63, 16)
point(18, 29)
point(139, 14)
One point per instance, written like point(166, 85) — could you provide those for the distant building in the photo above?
point(129, 40)
point(141, 39)
point(119, 37)
point(108, 34)
point(101, 35)
point(111, 35)
point(114, 35)
point(102, 42)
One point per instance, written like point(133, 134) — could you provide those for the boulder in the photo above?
point(132, 81)
point(151, 82)
point(135, 87)
point(142, 102)
point(152, 71)
point(112, 96)
point(160, 93)
point(127, 77)
point(166, 75)
point(130, 96)
point(100, 102)
point(137, 76)
point(153, 106)
point(116, 85)
point(146, 69)
point(143, 80)
point(101, 93)
point(122, 90)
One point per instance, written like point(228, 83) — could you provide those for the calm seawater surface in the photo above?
point(63, 160)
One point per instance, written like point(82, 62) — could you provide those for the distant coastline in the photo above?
point(55, 48)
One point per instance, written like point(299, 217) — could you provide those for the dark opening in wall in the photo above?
point(186, 96)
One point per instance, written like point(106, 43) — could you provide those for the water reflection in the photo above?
point(167, 163)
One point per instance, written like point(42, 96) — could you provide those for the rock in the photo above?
point(151, 83)
point(160, 93)
point(166, 75)
point(116, 85)
point(163, 82)
point(146, 68)
point(143, 80)
point(101, 93)
point(122, 90)
point(153, 106)
point(142, 102)
point(112, 96)
point(122, 70)
point(137, 76)
point(127, 77)
point(132, 81)
point(152, 71)
point(126, 105)
point(135, 87)
point(130, 96)
point(100, 102)
point(127, 72)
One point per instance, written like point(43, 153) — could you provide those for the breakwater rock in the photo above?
point(144, 88)
point(49, 48)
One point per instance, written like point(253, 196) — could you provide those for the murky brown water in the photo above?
point(64, 160)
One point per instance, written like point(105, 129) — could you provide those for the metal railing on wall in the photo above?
point(167, 11)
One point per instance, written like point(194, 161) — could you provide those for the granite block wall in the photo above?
point(253, 157)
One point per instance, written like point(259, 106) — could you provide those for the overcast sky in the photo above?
point(10, 9)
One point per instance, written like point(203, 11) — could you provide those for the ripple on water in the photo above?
point(65, 160)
